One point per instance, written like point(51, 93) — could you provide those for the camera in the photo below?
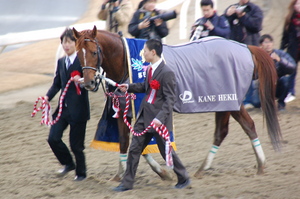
point(165, 16)
point(201, 22)
point(241, 8)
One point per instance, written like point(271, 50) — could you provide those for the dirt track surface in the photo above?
point(28, 165)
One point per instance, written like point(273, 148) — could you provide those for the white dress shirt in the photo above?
point(155, 65)
point(71, 57)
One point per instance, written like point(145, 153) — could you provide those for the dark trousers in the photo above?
point(252, 95)
point(137, 145)
point(292, 82)
point(76, 137)
point(282, 89)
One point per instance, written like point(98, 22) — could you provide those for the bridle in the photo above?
point(98, 65)
point(99, 53)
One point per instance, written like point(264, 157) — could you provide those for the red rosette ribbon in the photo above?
point(73, 74)
point(154, 85)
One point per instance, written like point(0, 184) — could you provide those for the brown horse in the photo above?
point(107, 52)
point(97, 48)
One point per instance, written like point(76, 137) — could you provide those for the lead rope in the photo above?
point(45, 107)
point(162, 130)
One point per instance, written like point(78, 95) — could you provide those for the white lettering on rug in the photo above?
point(219, 98)
point(227, 97)
point(208, 98)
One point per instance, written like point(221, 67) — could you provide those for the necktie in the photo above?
point(68, 63)
point(150, 74)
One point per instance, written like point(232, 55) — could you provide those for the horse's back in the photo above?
point(212, 51)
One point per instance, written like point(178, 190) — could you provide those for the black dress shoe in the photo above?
point(79, 178)
point(183, 185)
point(121, 188)
point(65, 170)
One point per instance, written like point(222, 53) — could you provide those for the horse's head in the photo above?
point(90, 55)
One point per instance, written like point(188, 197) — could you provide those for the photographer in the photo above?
point(245, 19)
point(285, 65)
point(210, 24)
point(117, 14)
point(142, 27)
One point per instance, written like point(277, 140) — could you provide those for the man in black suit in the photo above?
point(157, 106)
point(75, 112)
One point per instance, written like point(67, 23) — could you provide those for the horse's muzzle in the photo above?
point(89, 85)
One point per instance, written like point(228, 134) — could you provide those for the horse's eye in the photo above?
point(94, 53)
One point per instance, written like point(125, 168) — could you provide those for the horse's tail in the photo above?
point(267, 75)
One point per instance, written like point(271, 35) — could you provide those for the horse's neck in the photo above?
point(113, 53)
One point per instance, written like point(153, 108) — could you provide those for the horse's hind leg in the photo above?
point(244, 119)
point(221, 131)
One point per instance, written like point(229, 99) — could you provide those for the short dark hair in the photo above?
point(142, 3)
point(207, 3)
point(265, 36)
point(154, 44)
point(67, 33)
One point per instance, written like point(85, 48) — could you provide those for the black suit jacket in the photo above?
point(78, 105)
point(162, 108)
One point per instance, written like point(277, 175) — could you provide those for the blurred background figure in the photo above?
point(210, 24)
point(144, 23)
point(291, 41)
point(245, 19)
point(285, 65)
point(117, 14)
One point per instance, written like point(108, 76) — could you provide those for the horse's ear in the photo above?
point(94, 33)
point(76, 33)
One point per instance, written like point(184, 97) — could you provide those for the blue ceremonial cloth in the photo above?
point(107, 137)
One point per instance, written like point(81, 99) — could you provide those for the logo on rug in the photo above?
point(138, 66)
point(186, 97)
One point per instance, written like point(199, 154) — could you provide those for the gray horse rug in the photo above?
point(213, 74)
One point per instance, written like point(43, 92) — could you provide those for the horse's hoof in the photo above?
point(116, 178)
point(260, 172)
point(260, 169)
point(165, 175)
point(199, 174)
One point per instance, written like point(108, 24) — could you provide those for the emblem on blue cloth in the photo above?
point(136, 64)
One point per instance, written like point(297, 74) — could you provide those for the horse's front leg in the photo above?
point(163, 173)
point(124, 134)
point(221, 131)
point(244, 119)
point(124, 143)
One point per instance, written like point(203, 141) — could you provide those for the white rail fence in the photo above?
point(39, 35)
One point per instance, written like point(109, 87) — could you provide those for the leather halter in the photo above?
point(99, 60)
point(98, 77)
